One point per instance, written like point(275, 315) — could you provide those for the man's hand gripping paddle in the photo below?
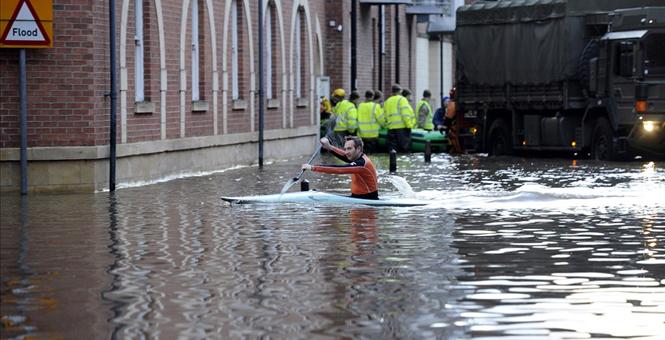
point(295, 180)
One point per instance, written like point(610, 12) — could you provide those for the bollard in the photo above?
point(304, 185)
point(428, 151)
point(393, 160)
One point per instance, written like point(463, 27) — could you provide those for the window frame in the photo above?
point(269, 53)
point(196, 54)
point(139, 68)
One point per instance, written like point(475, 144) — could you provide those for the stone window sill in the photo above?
point(239, 104)
point(273, 103)
point(301, 102)
point(144, 107)
point(199, 106)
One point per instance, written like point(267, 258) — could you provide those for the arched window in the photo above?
point(300, 53)
point(269, 50)
point(195, 51)
point(139, 92)
point(235, 27)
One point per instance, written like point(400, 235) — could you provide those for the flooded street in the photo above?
point(507, 247)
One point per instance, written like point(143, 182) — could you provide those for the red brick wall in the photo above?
point(338, 65)
point(67, 84)
point(61, 83)
point(336, 48)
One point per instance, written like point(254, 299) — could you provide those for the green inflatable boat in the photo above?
point(419, 138)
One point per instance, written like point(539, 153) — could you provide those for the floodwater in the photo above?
point(508, 247)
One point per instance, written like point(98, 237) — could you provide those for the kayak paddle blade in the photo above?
point(288, 185)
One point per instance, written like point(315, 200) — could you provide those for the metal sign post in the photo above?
point(23, 95)
point(25, 24)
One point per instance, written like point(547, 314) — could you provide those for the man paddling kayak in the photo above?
point(359, 166)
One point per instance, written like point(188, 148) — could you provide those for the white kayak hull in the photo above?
point(322, 197)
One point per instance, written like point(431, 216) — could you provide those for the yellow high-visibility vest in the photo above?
point(427, 125)
point(399, 113)
point(370, 119)
point(346, 116)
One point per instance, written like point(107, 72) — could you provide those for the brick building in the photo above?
point(187, 75)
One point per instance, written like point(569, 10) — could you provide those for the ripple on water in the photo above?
point(510, 248)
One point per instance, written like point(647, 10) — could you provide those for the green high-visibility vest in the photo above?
point(346, 116)
point(427, 124)
point(370, 119)
point(399, 113)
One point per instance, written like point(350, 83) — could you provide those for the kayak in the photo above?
point(314, 196)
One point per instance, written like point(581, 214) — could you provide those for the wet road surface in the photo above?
point(507, 247)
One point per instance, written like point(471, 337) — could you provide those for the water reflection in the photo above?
point(508, 247)
point(604, 281)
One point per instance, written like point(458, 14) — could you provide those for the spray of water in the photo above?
point(400, 184)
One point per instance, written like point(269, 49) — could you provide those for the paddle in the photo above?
point(295, 180)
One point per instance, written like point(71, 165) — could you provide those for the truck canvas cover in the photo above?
point(526, 42)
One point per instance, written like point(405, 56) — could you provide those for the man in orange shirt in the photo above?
point(363, 174)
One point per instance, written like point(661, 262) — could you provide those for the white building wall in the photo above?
point(434, 66)
point(423, 67)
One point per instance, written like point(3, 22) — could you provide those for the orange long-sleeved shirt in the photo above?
point(362, 171)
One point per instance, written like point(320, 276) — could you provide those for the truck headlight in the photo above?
point(648, 125)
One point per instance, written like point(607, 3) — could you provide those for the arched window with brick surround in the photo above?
point(270, 35)
point(139, 45)
point(236, 28)
point(196, 54)
point(300, 64)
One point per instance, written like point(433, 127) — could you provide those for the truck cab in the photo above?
point(574, 76)
point(630, 71)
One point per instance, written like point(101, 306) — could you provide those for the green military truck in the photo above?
point(578, 76)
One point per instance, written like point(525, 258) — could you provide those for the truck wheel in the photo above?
point(602, 146)
point(499, 143)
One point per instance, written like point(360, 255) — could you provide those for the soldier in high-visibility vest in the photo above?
point(370, 119)
point(399, 120)
point(345, 117)
point(425, 114)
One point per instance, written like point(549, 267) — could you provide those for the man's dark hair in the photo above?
point(357, 142)
point(396, 89)
point(378, 94)
point(427, 94)
point(406, 92)
point(353, 96)
point(369, 94)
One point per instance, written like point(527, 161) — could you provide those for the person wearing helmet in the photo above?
point(399, 120)
point(346, 117)
point(325, 108)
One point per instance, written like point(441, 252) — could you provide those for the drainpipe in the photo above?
point(441, 66)
point(112, 94)
point(261, 85)
point(397, 66)
point(354, 46)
